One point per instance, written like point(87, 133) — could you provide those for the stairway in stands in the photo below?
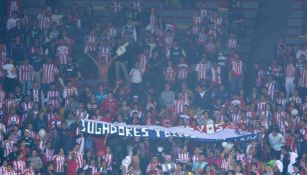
point(295, 24)
point(271, 23)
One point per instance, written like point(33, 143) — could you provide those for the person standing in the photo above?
point(236, 74)
point(290, 73)
point(10, 80)
point(303, 82)
point(276, 141)
point(26, 76)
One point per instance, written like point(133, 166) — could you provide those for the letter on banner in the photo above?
point(210, 129)
point(121, 130)
point(167, 134)
point(91, 127)
point(98, 128)
point(105, 128)
point(145, 132)
point(136, 132)
point(128, 132)
point(218, 127)
point(83, 123)
point(113, 129)
point(158, 132)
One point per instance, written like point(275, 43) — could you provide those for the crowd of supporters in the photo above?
point(151, 72)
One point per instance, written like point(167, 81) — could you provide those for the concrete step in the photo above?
point(295, 40)
point(295, 22)
point(294, 31)
point(296, 14)
point(297, 4)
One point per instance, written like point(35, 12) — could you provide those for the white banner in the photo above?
point(208, 133)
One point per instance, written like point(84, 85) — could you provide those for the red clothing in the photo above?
point(109, 105)
point(72, 167)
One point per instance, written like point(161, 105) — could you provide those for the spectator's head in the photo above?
point(33, 153)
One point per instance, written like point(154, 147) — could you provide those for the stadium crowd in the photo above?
point(150, 73)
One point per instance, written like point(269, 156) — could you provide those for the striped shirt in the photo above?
point(303, 78)
point(49, 72)
point(236, 68)
point(290, 71)
point(182, 71)
point(26, 73)
point(19, 166)
point(59, 162)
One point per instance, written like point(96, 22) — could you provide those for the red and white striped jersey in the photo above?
point(90, 43)
point(152, 20)
point(26, 73)
point(35, 95)
point(183, 157)
point(270, 86)
point(290, 71)
point(19, 166)
point(278, 118)
point(9, 172)
point(201, 69)
point(63, 53)
point(48, 154)
point(44, 21)
point(136, 5)
point(261, 106)
point(103, 54)
point(108, 158)
point(197, 20)
point(281, 101)
point(210, 47)
point(182, 71)
point(178, 106)
point(202, 38)
point(28, 171)
point(13, 6)
point(236, 118)
point(10, 103)
point(296, 99)
point(303, 131)
point(232, 43)
point(3, 169)
point(117, 6)
point(82, 114)
point(27, 106)
point(2, 97)
point(250, 114)
point(143, 60)
point(49, 72)
point(168, 41)
point(216, 76)
point(260, 77)
point(53, 97)
point(79, 157)
point(195, 29)
point(226, 164)
point(8, 147)
point(236, 68)
point(14, 120)
point(32, 50)
point(152, 167)
point(59, 162)
point(72, 91)
point(303, 79)
point(169, 73)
